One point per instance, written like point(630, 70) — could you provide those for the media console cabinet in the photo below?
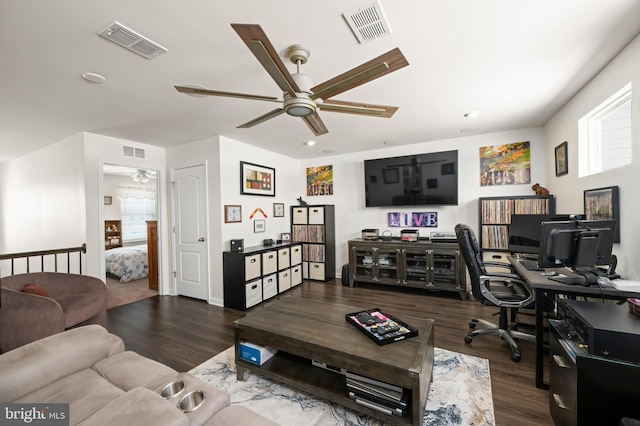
point(421, 264)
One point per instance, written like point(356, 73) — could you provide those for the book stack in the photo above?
point(380, 396)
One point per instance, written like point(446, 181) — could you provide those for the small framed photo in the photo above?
point(108, 200)
point(562, 161)
point(257, 180)
point(232, 213)
point(258, 225)
point(286, 237)
point(278, 209)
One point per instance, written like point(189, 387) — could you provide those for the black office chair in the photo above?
point(505, 290)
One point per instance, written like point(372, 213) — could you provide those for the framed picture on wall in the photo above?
point(278, 209)
point(259, 225)
point(562, 161)
point(603, 204)
point(232, 213)
point(257, 180)
point(108, 200)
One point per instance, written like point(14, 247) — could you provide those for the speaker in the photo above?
point(237, 245)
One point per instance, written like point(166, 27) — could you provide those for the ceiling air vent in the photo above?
point(132, 41)
point(368, 22)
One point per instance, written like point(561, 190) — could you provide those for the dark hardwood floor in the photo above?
point(183, 332)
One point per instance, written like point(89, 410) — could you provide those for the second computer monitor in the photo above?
point(583, 243)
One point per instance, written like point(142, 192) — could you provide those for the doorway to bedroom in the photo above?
point(130, 214)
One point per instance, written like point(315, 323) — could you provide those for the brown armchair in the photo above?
point(72, 300)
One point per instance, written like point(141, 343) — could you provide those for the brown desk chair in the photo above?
point(504, 290)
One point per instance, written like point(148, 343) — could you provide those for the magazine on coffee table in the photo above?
point(381, 327)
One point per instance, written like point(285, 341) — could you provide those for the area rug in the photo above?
point(119, 294)
point(460, 394)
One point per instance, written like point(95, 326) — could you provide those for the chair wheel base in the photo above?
point(515, 358)
point(472, 324)
point(467, 339)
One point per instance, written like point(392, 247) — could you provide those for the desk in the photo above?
point(542, 285)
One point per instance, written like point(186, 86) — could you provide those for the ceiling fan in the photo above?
point(299, 98)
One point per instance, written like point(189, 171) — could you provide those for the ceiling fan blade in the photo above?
point(197, 91)
point(271, 114)
point(358, 108)
point(257, 41)
point(383, 64)
point(315, 124)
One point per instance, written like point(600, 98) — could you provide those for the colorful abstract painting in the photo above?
point(508, 164)
point(320, 180)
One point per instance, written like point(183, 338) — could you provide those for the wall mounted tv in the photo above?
point(412, 180)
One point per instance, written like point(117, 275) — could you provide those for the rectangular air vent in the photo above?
point(129, 151)
point(132, 41)
point(368, 22)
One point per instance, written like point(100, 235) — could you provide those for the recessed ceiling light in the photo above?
point(94, 77)
point(310, 143)
point(472, 114)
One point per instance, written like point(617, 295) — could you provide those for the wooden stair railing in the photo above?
point(27, 256)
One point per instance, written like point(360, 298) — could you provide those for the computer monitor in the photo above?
point(525, 231)
point(577, 243)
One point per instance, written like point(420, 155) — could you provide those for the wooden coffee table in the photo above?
point(303, 330)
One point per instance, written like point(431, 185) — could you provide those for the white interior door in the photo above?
point(191, 247)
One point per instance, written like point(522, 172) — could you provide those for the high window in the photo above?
point(604, 135)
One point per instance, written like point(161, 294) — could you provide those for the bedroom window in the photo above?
point(137, 205)
point(604, 135)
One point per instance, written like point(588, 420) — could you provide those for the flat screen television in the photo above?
point(412, 180)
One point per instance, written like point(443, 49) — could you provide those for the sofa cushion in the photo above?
point(128, 370)
point(35, 289)
point(40, 363)
point(85, 391)
point(138, 407)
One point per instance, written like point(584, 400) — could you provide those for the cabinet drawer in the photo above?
point(299, 216)
point(296, 255)
point(284, 280)
point(251, 267)
point(269, 262)
point(296, 275)
point(316, 271)
point(283, 258)
point(269, 286)
point(316, 215)
point(253, 293)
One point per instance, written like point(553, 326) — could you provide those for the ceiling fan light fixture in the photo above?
point(140, 176)
point(300, 106)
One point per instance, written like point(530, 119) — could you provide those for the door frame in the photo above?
point(162, 287)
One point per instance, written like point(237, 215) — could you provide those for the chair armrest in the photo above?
point(511, 281)
point(25, 318)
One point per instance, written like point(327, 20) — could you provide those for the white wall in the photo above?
point(569, 188)
point(348, 189)
point(222, 157)
point(42, 197)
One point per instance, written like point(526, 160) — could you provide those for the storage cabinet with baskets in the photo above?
point(314, 227)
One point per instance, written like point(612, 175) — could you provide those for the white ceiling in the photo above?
point(516, 61)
